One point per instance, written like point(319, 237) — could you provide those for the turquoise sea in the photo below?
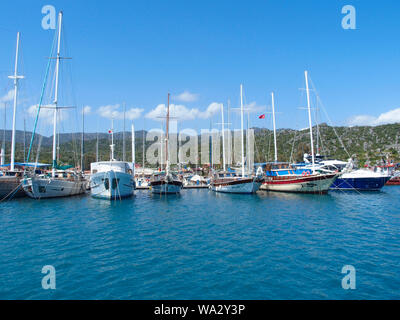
point(203, 245)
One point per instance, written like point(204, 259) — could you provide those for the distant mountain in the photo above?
point(368, 143)
point(64, 137)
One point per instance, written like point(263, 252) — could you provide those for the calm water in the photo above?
point(203, 245)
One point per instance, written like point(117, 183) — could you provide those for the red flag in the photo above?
point(110, 131)
point(262, 116)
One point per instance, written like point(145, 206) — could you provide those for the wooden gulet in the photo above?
point(166, 182)
point(292, 180)
point(225, 182)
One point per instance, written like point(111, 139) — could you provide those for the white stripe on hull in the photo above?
point(39, 188)
point(102, 185)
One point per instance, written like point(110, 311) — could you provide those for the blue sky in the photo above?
point(136, 52)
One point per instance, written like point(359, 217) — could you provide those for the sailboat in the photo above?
point(281, 176)
point(166, 182)
point(10, 185)
point(228, 183)
point(61, 183)
point(113, 179)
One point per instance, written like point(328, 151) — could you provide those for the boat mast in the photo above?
point(223, 136)
point(241, 116)
point(161, 149)
point(16, 77)
point(316, 122)
point(123, 137)
point(210, 148)
point(166, 140)
point(143, 146)
point(3, 145)
point(229, 160)
point(97, 146)
point(83, 137)
point(53, 171)
point(247, 141)
point(273, 122)
point(309, 119)
point(133, 149)
point(24, 139)
point(112, 139)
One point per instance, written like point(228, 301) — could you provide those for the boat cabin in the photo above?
point(105, 166)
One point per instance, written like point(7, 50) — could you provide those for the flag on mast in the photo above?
point(262, 116)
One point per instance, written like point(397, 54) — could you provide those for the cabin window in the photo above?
point(106, 183)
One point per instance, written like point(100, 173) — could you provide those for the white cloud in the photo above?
point(176, 110)
point(186, 96)
point(9, 96)
point(87, 110)
point(183, 113)
point(211, 110)
point(113, 112)
point(252, 107)
point(47, 113)
point(391, 116)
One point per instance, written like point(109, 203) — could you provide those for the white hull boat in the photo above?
point(42, 187)
point(113, 180)
point(112, 185)
point(314, 183)
point(236, 185)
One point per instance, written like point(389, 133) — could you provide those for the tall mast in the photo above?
point(123, 137)
point(211, 149)
point(223, 136)
point(3, 145)
point(53, 173)
point(241, 122)
point(316, 122)
point(161, 148)
point(24, 139)
point(248, 141)
point(133, 149)
point(112, 139)
point(83, 138)
point(230, 134)
point(166, 139)
point(273, 121)
point(309, 119)
point(97, 146)
point(16, 77)
point(143, 146)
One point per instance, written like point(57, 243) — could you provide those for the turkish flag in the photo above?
point(110, 131)
point(262, 116)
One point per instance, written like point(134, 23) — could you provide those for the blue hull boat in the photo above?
point(360, 183)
